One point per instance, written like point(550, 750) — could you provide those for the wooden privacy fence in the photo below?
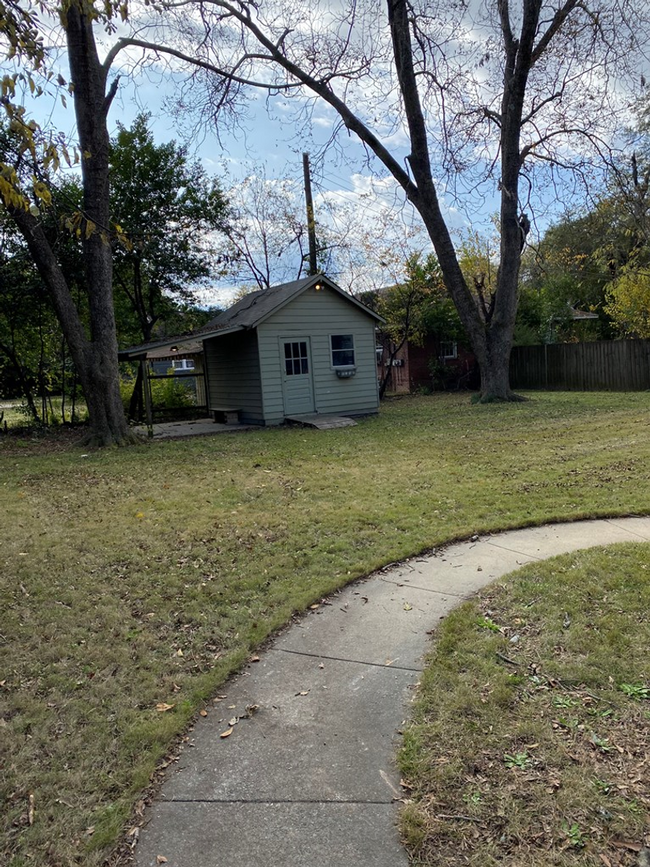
point(606, 365)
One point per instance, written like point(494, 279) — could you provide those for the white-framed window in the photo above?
point(183, 364)
point(449, 349)
point(342, 350)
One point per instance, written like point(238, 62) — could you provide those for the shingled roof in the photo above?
point(254, 308)
point(249, 312)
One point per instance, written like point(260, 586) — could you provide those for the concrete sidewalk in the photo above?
point(307, 777)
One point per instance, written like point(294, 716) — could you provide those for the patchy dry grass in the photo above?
point(531, 737)
point(142, 577)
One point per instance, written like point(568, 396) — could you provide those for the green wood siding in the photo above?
point(318, 315)
point(233, 370)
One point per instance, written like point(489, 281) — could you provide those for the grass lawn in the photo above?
point(532, 726)
point(133, 581)
point(14, 413)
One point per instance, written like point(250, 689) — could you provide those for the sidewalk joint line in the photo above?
point(520, 553)
point(612, 521)
point(424, 589)
point(343, 659)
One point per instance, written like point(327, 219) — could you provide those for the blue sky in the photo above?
point(269, 140)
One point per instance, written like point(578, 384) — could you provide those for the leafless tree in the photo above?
point(499, 93)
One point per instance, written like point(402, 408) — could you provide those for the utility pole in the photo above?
point(311, 224)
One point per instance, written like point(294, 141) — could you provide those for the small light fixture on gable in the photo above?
point(318, 287)
point(173, 348)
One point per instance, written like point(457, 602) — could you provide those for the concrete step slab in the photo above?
point(321, 421)
point(636, 526)
point(554, 539)
point(460, 570)
point(272, 835)
point(319, 733)
point(379, 621)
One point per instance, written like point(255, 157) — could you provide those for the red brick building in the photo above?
point(436, 365)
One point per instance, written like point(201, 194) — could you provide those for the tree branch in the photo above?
point(157, 48)
point(556, 23)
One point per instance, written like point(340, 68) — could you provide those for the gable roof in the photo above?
point(247, 313)
point(254, 308)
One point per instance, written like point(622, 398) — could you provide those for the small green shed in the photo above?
point(295, 349)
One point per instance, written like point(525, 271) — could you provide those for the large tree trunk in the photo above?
point(95, 356)
point(98, 373)
point(489, 326)
point(91, 102)
point(490, 335)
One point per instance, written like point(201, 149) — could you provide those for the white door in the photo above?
point(297, 385)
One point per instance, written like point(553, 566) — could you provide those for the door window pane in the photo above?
point(296, 358)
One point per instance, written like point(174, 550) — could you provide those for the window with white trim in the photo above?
point(342, 350)
point(183, 364)
point(449, 349)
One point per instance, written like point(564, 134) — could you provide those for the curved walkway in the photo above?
point(307, 776)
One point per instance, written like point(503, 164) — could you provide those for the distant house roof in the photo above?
point(577, 315)
point(247, 313)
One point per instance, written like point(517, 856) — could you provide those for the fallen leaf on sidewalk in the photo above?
point(160, 859)
point(304, 692)
point(407, 607)
point(226, 734)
